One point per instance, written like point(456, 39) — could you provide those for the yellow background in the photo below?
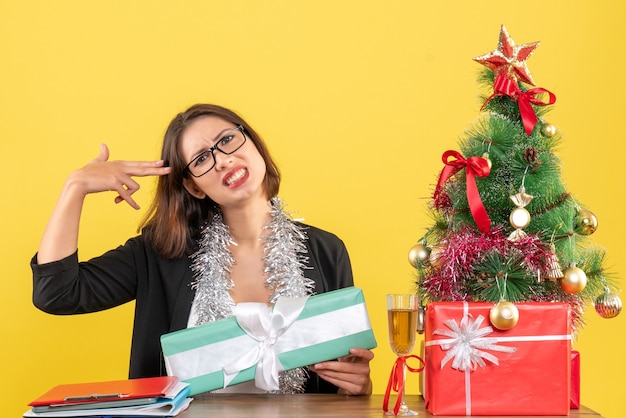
point(357, 100)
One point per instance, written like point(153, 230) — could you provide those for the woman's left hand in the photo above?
point(351, 374)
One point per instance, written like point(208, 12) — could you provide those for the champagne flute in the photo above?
point(402, 315)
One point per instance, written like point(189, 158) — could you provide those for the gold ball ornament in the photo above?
point(519, 218)
point(548, 130)
point(574, 280)
point(504, 315)
point(608, 305)
point(585, 222)
point(418, 254)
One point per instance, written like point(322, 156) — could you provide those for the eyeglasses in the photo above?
point(230, 142)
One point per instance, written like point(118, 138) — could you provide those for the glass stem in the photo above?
point(403, 406)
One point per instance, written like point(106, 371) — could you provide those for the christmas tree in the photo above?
point(505, 228)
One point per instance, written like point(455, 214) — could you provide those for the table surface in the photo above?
point(308, 405)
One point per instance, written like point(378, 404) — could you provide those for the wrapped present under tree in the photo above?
point(473, 368)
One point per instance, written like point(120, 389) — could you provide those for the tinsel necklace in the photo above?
point(284, 258)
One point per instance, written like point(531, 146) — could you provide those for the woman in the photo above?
point(215, 235)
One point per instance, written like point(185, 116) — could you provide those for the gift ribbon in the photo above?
point(467, 343)
point(504, 86)
point(265, 326)
point(397, 380)
point(474, 166)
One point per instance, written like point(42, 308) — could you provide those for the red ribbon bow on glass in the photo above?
point(397, 381)
point(504, 86)
point(474, 166)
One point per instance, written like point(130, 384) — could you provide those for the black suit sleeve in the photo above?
point(68, 286)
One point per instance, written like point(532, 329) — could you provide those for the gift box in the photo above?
point(575, 385)
point(259, 342)
point(473, 368)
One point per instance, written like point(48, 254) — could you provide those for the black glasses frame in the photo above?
point(217, 147)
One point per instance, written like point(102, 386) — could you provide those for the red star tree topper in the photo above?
point(508, 59)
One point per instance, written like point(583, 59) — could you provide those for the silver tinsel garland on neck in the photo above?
point(284, 257)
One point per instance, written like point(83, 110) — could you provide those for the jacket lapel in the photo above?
point(184, 299)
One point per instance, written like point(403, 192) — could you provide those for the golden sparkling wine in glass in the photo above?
point(402, 313)
point(402, 330)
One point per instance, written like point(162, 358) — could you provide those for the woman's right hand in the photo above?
point(101, 175)
point(60, 239)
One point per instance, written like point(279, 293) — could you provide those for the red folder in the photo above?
point(115, 390)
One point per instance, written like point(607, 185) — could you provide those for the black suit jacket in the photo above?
point(162, 291)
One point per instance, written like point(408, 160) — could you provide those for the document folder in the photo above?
point(124, 391)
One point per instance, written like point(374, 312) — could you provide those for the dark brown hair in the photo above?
point(175, 216)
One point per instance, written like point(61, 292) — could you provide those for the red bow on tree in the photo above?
point(397, 381)
point(504, 86)
point(474, 166)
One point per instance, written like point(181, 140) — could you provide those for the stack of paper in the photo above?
point(162, 396)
